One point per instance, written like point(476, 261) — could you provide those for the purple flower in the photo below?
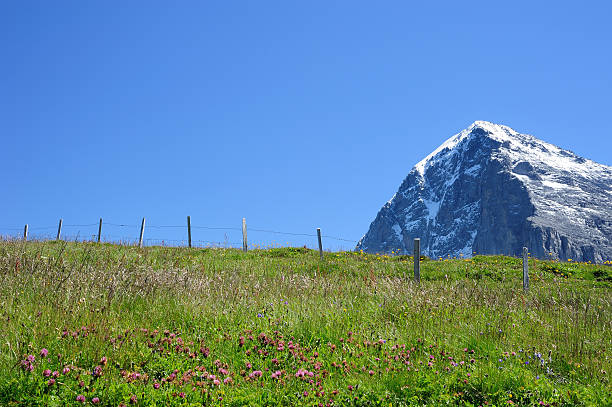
point(95, 400)
point(156, 386)
point(51, 382)
point(80, 398)
point(44, 352)
point(47, 372)
point(97, 371)
point(66, 370)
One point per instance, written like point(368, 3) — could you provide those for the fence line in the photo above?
point(141, 239)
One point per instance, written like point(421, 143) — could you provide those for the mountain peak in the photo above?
point(494, 131)
point(493, 190)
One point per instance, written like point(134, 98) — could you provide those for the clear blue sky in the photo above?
point(291, 114)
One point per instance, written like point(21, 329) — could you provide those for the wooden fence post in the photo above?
point(320, 244)
point(59, 229)
point(525, 270)
point(244, 235)
point(25, 232)
point(142, 227)
point(417, 260)
point(100, 230)
point(189, 230)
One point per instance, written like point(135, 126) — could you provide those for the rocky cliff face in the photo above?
point(491, 190)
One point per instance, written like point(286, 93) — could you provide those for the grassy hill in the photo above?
point(85, 323)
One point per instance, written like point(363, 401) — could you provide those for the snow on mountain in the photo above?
point(490, 189)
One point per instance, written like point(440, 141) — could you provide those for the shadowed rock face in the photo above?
point(491, 190)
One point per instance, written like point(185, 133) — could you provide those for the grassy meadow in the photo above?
point(101, 324)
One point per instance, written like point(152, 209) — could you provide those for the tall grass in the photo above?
point(467, 335)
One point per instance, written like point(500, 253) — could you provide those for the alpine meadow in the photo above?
point(117, 325)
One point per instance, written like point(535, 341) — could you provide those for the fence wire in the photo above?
point(105, 237)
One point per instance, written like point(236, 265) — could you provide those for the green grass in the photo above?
point(354, 328)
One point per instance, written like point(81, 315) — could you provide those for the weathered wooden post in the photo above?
point(189, 230)
point(25, 232)
point(142, 226)
point(525, 270)
point(320, 244)
point(59, 229)
point(244, 235)
point(100, 230)
point(417, 260)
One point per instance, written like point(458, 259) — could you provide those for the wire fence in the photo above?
point(134, 234)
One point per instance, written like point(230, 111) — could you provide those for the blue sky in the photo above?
point(295, 115)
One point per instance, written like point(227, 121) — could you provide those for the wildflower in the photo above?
point(51, 382)
point(133, 399)
point(80, 398)
point(156, 386)
point(182, 395)
point(44, 352)
point(97, 372)
point(227, 380)
point(55, 373)
point(26, 365)
point(66, 370)
point(47, 372)
point(103, 361)
point(95, 400)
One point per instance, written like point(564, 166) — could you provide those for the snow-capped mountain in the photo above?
point(492, 190)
